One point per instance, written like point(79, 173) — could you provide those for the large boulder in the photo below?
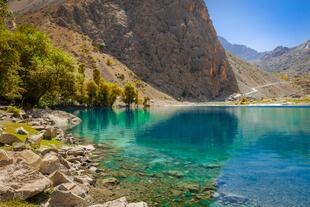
point(35, 139)
point(50, 133)
point(21, 131)
point(6, 138)
point(30, 158)
point(61, 198)
point(21, 181)
point(58, 178)
point(50, 163)
point(4, 158)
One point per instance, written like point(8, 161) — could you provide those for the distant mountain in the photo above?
point(294, 60)
point(258, 83)
point(240, 51)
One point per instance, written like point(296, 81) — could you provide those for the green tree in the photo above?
point(96, 76)
point(31, 68)
point(92, 92)
point(108, 93)
point(129, 94)
point(3, 10)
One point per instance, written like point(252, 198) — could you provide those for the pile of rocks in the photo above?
point(67, 173)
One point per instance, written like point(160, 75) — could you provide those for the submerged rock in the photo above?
point(174, 173)
point(230, 198)
point(109, 181)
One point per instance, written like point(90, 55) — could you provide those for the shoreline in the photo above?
point(51, 172)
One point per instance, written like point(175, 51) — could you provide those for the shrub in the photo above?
point(109, 62)
point(146, 102)
point(130, 94)
point(14, 110)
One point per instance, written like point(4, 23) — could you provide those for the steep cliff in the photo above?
point(170, 44)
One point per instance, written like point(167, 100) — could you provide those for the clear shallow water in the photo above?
point(259, 153)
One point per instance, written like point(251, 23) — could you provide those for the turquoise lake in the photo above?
point(260, 154)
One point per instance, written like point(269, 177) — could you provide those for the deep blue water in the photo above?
point(260, 153)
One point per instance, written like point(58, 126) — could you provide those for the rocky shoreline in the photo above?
point(41, 162)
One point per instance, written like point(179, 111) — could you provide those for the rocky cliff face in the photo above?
point(170, 44)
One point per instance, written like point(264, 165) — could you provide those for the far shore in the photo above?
point(161, 103)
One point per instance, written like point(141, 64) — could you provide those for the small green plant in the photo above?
point(14, 110)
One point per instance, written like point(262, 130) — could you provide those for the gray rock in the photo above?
point(20, 181)
point(139, 204)
point(50, 163)
point(39, 128)
point(61, 198)
point(77, 151)
point(58, 178)
point(35, 139)
point(5, 159)
point(50, 133)
point(109, 181)
point(19, 146)
point(121, 202)
point(93, 169)
point(6, 138)
point(30, 158)
point(21, 131)
point(84, 179)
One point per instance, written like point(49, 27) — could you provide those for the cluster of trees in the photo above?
point(102, 93)
point(34, 72)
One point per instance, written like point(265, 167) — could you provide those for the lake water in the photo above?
point(257, 156)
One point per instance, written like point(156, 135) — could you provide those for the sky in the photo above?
point(262, 24)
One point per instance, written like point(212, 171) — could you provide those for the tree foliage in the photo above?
point(31, 67)
point(130, 94)
point(3, 10)
point(34, 72)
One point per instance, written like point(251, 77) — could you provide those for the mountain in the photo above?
point(258, 83)
point(240, 51)
point(168, 49)
point(294, 60)
point(171, 45)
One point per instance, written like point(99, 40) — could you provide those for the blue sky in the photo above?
point(262, 24)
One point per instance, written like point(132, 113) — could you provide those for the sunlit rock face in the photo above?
point(171, 44)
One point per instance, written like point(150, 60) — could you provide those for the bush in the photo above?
point(109, 62)
point(146, 102)
point(31, 67)
point(14, 110)
point(130, 94)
